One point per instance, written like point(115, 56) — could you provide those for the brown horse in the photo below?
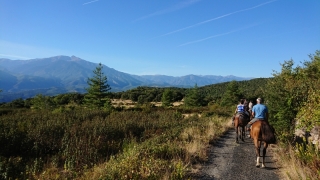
point(240, 122)
point(260, 132)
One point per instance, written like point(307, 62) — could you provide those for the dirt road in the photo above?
point(229, 160)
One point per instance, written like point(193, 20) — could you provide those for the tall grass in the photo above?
point(82, 144)
point(298, 162)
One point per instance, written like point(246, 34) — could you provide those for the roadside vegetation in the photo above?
point(293, 98)
point(154, 133)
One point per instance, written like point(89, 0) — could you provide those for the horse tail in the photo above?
point(268, 133)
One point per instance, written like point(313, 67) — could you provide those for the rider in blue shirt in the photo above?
point(240, 109)
point(259, 112)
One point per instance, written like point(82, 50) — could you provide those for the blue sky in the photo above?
point(246, 38)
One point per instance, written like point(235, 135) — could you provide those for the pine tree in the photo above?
point(194, 98)
point(232, 94)
point(98, 90)
point(41, 102)
point(167, 98)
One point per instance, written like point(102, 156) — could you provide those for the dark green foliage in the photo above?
point(150, 94)
point(293, 96)
point(249, 89)
point(167, 97)
point(231, 95)
point(18, 103)
point(42, 102)
point(194, 97)
point(292, 92)
point(98, 89)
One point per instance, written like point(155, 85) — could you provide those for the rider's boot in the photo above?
point(249, 126)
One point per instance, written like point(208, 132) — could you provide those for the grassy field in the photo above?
point(142, 143)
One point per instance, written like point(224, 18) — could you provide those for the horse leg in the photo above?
point(236, 127)
point(265, 146)
point(257, 146)
point(244, 132)
point(240, 133)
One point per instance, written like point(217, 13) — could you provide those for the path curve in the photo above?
point(229, 160)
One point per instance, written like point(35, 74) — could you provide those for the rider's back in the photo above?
point(240, 108)
point(259, 111)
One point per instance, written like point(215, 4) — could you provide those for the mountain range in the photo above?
point(63, 74)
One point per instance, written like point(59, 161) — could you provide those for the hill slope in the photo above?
point(62, 74)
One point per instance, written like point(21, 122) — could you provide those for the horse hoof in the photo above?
point(263, 166)
point(257, 165)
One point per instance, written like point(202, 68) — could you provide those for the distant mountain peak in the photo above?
point(61, 58)
point(75, 58)
point(70, 73)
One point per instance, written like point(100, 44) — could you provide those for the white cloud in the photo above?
point(222, 34)
point(176, 7)
point(90, 2)
point(216, 18)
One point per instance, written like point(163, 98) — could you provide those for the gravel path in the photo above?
point(229, 160)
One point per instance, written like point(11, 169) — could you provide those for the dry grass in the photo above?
point(122, 103)
point(290, 166)
point(199, 138)
point(194, 139)
point(186, 115)
point(129, 103)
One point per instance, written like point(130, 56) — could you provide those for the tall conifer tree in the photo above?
point(232, 94)
point(194, 98)
point(98, 89)
point(167, 97)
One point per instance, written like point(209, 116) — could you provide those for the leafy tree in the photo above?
point(125, 96)
point(293, 94)
point(309, 112)
point(134, 96)
point(28, 103)
point(167, 97)
point(231, 95)
point(61, 99)
point(41, 102)
point(17, 103)
point(98, 90)
point(141, 99)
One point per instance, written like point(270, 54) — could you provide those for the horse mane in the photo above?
point(268, 133)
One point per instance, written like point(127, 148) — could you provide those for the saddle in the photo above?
point(244, 118)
